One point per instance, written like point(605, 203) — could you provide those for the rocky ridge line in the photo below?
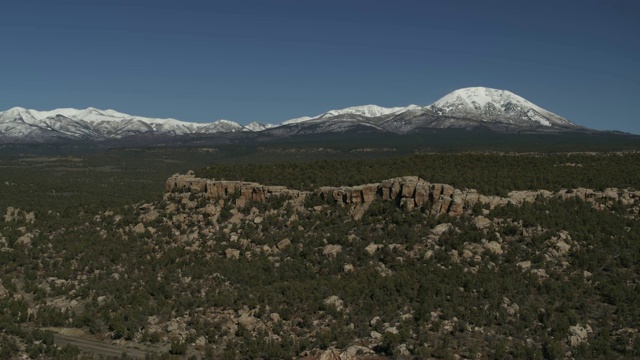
point(409, 192)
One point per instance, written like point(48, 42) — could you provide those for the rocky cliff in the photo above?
point(409, 192)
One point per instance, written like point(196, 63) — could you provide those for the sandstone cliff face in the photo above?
point(408, 192)
point(221, 189)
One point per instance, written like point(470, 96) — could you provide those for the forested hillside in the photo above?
point(94, 245)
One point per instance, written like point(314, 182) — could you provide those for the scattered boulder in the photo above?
point(201, 341)
point(283, 244)
point(348, 268)
point(403, 350)
point(10, 214)
point(30, 218)
point(376, 336)
point(25, 240)
point(330, 354)
point(149, 216)
point(441, 229)
point(524, 265)
point(578, 334)
point(481, 222)
point(139, 229)
point(332, 250)
point(232, 253)
point(352, 351)
point(562, 247)
point(494, 247)
point(334, 301)
point(511, 308)
point(372, 248)
point(249, 322)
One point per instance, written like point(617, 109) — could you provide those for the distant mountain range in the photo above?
point(465, 108)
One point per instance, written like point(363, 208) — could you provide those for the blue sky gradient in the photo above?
point(270, 61)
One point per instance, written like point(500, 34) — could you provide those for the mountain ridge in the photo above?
point(463, 108)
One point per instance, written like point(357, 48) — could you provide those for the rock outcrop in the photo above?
point(221, 189)
point(408, 192)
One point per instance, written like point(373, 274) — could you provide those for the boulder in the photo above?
point(283, 244)
point(578, 334)
point(481, 222)
point(562, 247)
point(201, 341)
point(25, 240)
point(249, 322)
point(139, 229)
point(352, 351)
point(494, 247)
point(372, 248)
point(30, 218)
point(11, 214)
point(332, 250)
point(524, 265)
point(334, 301)
point(330, 354)
point(441, 229)
point(149, 216)
point(232, 253)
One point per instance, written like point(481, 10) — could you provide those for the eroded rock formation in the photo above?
point(409, 192)
point(222, 189)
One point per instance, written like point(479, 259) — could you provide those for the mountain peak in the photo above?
point(17, 109)
point(481, 96)
point(495, 105)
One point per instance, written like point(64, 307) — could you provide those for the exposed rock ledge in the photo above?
point(409, 192)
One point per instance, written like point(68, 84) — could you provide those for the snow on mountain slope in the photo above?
point(255, 126)
point(463, 108)
point(495, 105)
point(222, 126)
point(298, 120)
point(96, 124)
point(364, 110)
point(369, 111)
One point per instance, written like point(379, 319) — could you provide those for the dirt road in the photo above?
point(98, 348)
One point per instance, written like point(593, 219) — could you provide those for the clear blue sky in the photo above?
point(269, 61)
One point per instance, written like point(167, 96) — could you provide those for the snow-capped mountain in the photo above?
point(467, 108)
point(369, 111)
point(494, 105)
point(464, 108)
point(95, 124)
point(256, 126)
point(365, 110)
